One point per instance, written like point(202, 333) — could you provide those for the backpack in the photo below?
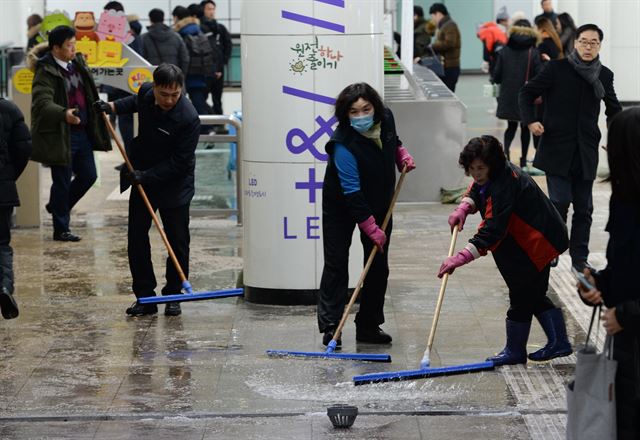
point(201, 55)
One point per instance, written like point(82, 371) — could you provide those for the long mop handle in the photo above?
point(436, 316)
point(334, 342)
point(185, 283)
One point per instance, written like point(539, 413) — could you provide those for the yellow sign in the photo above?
point(22, 80)
point(139, 76)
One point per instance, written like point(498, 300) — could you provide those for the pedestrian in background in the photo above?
point(65, 128)
point(550, 46)
point(547, 12)
point(15, 148)
point(616, 286)
point(33, 29)
point(163, 156)
point(359, 183)
point(571, 90)
point(447, 44)
point(160, 44)
point(516, 63)
point(567, 30)
point(524, 233)
point(423, 30)
point(494, 37)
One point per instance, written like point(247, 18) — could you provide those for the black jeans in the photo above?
point(6, 253)
point(451, 75)
point(564, 191)
point(337, 231)
point(65, 191)
point(216, 86)
point(176, 226)
point(527, 286)
point(198, 97)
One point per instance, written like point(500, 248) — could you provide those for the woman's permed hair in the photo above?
point(486, 148)
point(351, 94)
point(624, 155)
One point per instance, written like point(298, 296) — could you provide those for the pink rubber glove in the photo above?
point(459, 215)
point(372, 230)
point(402, 157)
point(460, 259)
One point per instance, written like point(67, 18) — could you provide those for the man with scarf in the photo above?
point(571, 91)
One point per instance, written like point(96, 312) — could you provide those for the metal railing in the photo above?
point(237, 138)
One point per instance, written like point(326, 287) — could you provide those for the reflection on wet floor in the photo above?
point(74, 366)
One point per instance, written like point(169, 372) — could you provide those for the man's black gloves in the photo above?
point(102, 107)
point(136, 177)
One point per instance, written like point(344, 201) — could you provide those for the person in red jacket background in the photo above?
point(494, 37)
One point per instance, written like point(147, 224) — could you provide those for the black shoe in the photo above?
point(328, 336)
point(172, 309)
point(47, 207)
point(372, 335)
point(120, 167)
point(8, 304)
point(137, 309)
point(65, 236)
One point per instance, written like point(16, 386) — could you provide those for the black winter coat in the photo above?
point(619, 286)
point(516, 213)
point(161, 44)
point(376, 168)
point(15, 149)
point(511, 70)
point(571, 111)
point(164, 148)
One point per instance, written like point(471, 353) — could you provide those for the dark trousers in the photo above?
point(71, 182)
point(564, 191)
point(198, 97)
point(451, 75)
point(6, 253)
point(216, 86)
point(527, 286)
point(176, 226)
point(336, 234)
point(627, 387)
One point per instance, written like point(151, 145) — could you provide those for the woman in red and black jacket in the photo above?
point(524, 232)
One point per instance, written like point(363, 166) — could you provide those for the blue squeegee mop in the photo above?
point(330, 352)
point(190, 295)
point(424, 370)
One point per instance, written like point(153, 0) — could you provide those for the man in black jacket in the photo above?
point(163, 155)
point(15, 148)
point(571, 90)
point(220, 40)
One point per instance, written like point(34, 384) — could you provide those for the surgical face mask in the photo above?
point(362, 123)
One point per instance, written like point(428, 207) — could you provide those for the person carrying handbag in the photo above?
point(616, 286)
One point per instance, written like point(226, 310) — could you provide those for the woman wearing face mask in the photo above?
point(358, 186)
point(524, 232)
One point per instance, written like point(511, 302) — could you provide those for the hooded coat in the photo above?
point(160, 44)
point(448, 42)
point(51, 137)
point(510, 70)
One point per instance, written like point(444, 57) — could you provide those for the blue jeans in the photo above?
point(67, 191)
point(198, 97)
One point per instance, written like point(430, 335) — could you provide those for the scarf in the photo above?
point(374, 134)
point(589, 71)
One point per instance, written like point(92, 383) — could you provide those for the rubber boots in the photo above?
point(515, 352)
point(558, 345)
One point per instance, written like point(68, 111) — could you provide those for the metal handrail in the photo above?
point(237, 123)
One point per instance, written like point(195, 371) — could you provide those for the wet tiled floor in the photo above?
point(74, 366)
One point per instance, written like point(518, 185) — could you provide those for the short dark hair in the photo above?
point(438, 7)
point(204, 2)
point(523, 22)
point(156, 15)
point(180, 12)
point(59, 35)
point(624, 156)
point(195, 10)
point(417, 10)
point(590, 27)
point(351, 94)
point(167, 75)
point(114, 5)
point(486, 148)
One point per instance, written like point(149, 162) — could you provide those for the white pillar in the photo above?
point(407, 35)
point(297, 55)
